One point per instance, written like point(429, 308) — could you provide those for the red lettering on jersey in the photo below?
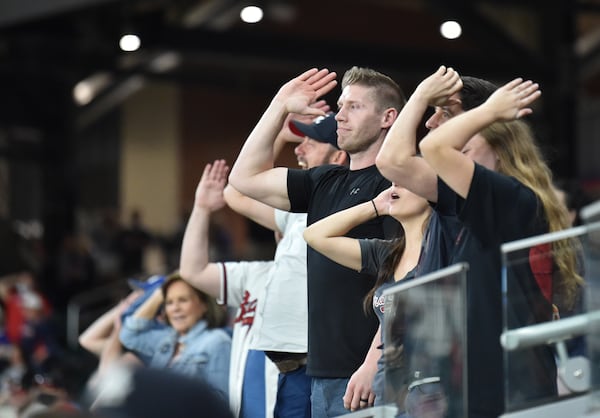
point(247, 310)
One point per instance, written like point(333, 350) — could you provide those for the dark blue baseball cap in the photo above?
point(323, 129)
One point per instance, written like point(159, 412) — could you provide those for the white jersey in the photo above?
point(281, 320)
point(242, 285)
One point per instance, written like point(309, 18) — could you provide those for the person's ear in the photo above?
point(339, 157)
point(389, 116)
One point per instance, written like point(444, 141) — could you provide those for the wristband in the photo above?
point(375, 207)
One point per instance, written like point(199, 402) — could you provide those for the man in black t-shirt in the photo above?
point(340, 333)
point(477, 243)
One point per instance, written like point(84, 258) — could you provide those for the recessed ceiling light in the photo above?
point(450, 29)
point(251, 14)
point(86, 90)
point(130, 42)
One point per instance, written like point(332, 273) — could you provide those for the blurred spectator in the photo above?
point(150, 393)
point(12, 372)
point(11, 289)
point(54, 390)
point(28, 322)
point(28, 392)
point(191, 342)
point(101, 338)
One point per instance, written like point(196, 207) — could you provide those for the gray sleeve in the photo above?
point(373, 253)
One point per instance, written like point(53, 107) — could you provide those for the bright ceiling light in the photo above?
point(251, 14)
point(86, 90)
point(83, 93)
point(130, 42)
point(450, 29)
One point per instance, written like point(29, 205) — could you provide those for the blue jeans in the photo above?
point(253, 388)
point(326, 397)
point(293, 395)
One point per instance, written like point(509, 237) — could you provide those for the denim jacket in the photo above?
point(205, 354)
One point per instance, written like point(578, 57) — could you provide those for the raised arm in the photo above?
point(150, 307)
point(397, 159)
point(443, 147)
point(95, 337)
point(249, 174)
point(194, 266)
point(253, 209)
point(327, 235)
point(113, 349)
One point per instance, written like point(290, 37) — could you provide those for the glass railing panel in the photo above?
point(424, 337)
point(545, 337)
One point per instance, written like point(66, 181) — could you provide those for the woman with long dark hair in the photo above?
point(402, 258)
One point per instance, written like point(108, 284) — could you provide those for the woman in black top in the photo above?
point(485, 170)
point(501, 190)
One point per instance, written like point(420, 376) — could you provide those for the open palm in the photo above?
point(209, 193)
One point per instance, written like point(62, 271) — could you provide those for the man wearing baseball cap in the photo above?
point(277, 324)
point(319, 145)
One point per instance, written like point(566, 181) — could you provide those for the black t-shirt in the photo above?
point(500, 209)
point(339, 331)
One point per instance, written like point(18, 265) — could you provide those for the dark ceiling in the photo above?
point(46, 47)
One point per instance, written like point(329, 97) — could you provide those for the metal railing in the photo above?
point(108, 293)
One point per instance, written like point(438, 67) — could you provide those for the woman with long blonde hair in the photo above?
point(518, 156)
point(502, 191)
point(480, 164)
